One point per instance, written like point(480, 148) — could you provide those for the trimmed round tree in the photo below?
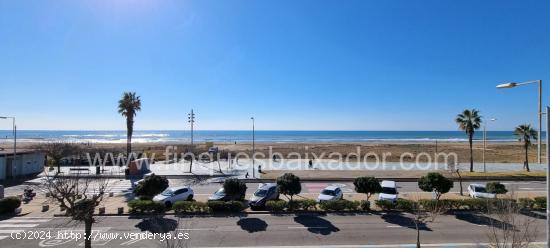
point(367, 185)
point(152, 185)
point(235, 188)
point(289, 185)
point(496, 188)
point(435, 182)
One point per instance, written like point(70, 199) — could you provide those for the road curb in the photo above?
point(464, 179)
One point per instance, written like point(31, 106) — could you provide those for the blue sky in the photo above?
point(294, 65)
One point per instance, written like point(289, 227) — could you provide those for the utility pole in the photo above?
point(191, 117)
point(253, 148)
point(547, 174)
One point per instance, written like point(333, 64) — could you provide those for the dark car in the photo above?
point(265, 192)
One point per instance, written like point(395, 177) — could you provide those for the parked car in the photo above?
point(264, 193)
point(330, 193)
point(479, 191)
point(389, 191)
point(220, 195)
point(174, 194)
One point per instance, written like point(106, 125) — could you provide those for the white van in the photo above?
point(389, 191)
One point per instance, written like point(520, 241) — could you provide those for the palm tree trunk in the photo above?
point(129, 131)
point(470, 139)
point(527, 158)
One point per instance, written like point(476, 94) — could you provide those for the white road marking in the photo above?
point(18, 225)
point(307, 227)
point(3, 237)
point(24, 220)
point(196, 229)
point(10, 231)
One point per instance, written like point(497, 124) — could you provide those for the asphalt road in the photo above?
point(465, 230)
point(120, 186)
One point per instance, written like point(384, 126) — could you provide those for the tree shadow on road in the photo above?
point(403, 221)
point(316, 224)
point(478, 219)
point(157, 225)
point(252, 225)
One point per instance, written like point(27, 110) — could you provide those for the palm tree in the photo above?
point(469, 121)
point(526, 133)
point(128, 106)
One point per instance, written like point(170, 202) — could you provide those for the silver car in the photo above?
point(264, 193)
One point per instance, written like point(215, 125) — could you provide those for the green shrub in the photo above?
point(190, 207)
point(526, 203)
point(384, 205)
point(308, 204)
point(276, 205)
point(540, 202)
point(234, 206)
point(496, 188)
point(145, 206)
point(230, 206)
point(234, 188)
point(352, 205)
point(364, 205)
point(404, 205)
point(289, 184)
point(305, 204)
point(339, 205)
point(9, 204)
point(151, 185)
point(435, 182)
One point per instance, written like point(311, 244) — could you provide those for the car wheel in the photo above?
point(168, 204)
point(190, 197)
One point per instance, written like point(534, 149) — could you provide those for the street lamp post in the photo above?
point(14, 138)
point(514, 84)
point(547, 174)
point(485, 143)
point(191, 117)
point(253, 148)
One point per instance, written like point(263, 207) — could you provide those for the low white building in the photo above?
point(28, 163)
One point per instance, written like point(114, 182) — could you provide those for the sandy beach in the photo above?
point(496, 152)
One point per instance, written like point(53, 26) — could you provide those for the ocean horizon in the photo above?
point(266, 136)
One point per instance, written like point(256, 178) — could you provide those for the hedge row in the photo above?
point(145, 206)
point(148, 206)
point(312, 205)
point(9, 204)
point(483, 205)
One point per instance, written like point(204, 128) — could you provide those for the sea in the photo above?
point(168, 136)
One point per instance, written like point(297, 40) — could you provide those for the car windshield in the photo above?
point(389, 191)
point(167, 192)
point(220, 192)
point(260, 193)
point(328, 192)
point(481, 190)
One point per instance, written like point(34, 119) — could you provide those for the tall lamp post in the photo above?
point(514, 84)
point(253, 148)
point(14, 138)
point(547, 174)
point(191, 117)
point(485, 143)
